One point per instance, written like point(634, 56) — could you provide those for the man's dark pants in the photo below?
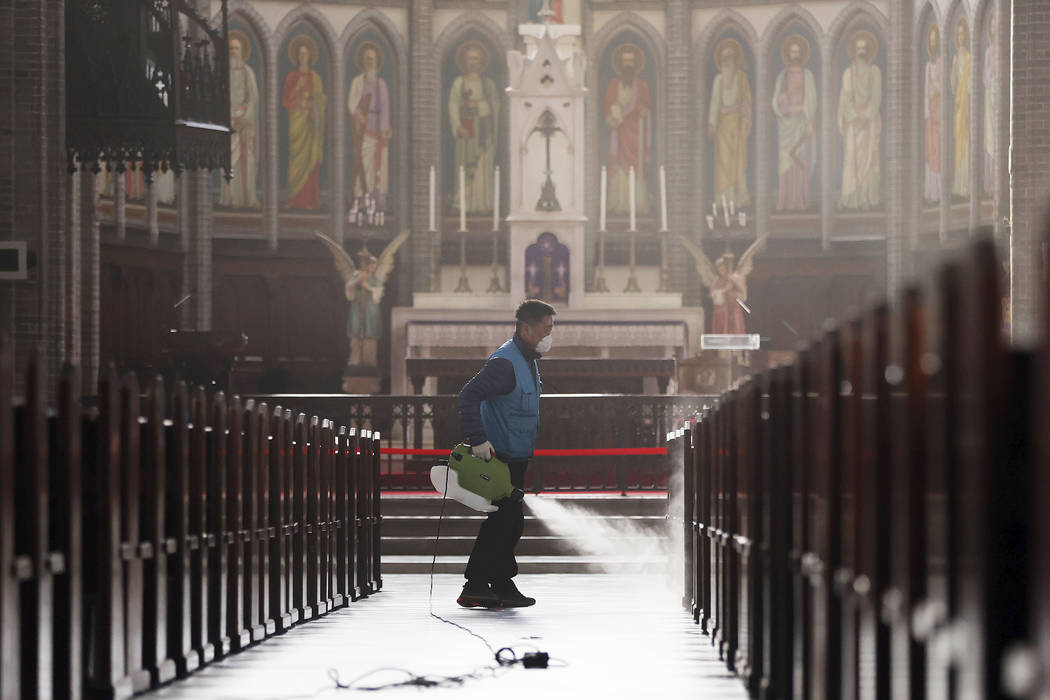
point(492, 559)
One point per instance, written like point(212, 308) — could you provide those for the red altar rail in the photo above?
point(154, 533)
point(873, 521)
point(574, 448)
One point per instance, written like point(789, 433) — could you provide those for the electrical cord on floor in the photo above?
point(505, 657)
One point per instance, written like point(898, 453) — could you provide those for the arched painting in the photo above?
point(628, 127)
point(473, 113)
point(729, 123)
point(304, 79)
point(990, 97)
point(960, 82)
point(372, 139)
point(243, 190)
point(796, 109)
point(860, 64)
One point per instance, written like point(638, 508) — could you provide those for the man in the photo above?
point(860, 123)
point(305, 100)
point(729, 124)
point(499, 413)
point(473, 110)
point(626, 108)
point(369, 106)
point(240, 192)
point(795, 106)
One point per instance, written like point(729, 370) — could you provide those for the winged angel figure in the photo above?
point(364, 291)
point(726, 282)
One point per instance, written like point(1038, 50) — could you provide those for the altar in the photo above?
point(622, 318)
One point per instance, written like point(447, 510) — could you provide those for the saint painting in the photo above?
point(961, 67)
point(729, 120)
point(240, 191)
point(931, 109)
point(369, 107)
point(305, 101)
point(795, 106)
point(473, 111)
point(626, 110)
point(991, 103)
point(860, 124)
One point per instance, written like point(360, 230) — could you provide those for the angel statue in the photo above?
point(364, 291)
point(726, 283)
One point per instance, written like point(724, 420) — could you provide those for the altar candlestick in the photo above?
point(714, 208)
point(433, 177)
point(462, 198)
point(663, 199)
point(725, 211)
point(631, 196)
point(495, 200)
point(732, 208)
point(602, 194)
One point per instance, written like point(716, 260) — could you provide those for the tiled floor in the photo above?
point(614, 636)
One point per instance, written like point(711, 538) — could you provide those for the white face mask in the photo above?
point(545, 344)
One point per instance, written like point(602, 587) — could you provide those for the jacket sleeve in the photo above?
point(495, 379)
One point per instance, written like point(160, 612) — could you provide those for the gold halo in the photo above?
point(617, 57)
point(730, 42)
point(359, 55)
point(862, 34)
point(246, 43)
point(461, 52)
point(801, 41)
point(934, 29)
point(293, 49)
point(966, 27)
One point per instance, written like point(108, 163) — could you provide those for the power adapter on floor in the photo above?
point(535, 659)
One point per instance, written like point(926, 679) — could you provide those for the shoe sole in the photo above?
point(468, 602)
point(516, 604)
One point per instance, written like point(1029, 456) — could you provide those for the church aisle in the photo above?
point(617, 639)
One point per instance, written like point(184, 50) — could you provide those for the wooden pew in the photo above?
point(155, 547)
point(247, 533)
point(376, 514)
point(683, 440)
point(34, 566)
point(237, 628)
point(995, 476)
point(354, 526)
point(802, 404)
point(364, 518)
point(846, 579)
point(201, 541)
point(219, 546)
point(748, 494)
point(177, 525)
point(341, 503)
point(908, 493)
point(777, 592)
point(10, 657)
point(299, 525)
point(704, 459)
point(313, 522)
point(280, 520)
point(874, 505)
point(265, 532)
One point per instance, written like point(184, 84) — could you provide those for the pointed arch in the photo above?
point(630, 21)
point(793, 14)
point(856, 11)
point(310, 14)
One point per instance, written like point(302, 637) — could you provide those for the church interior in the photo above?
point(793, 440)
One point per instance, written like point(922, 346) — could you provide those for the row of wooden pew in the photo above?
point(864, 523)
point(153, 532)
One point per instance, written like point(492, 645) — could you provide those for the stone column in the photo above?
point(151, 210)
point(678, 122)
point(424, 143)
point(1030, 167)
point(120, 204)
point(947, 124)
point(270, 105)
point(338, 223)
point(1001, 207)
point(197, 268)
point(900, 131)
point(829, 91)
point(765, 166)
point(89, 262)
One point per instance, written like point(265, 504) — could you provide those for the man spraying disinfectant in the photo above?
point(499, 412)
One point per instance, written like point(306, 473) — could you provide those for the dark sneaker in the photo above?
point(510, 597)
point(478, 595)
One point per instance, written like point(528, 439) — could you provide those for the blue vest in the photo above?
point(511, 420)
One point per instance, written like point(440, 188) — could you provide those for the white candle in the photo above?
point(495, 200)
point(663, 199)
point(631, 196)
point(725, 205)
point(462, 198)
point(714, 208)
point(732, 208)
point(433, 179)
point(601, 206)
point(710, 222)
point(743, 218)
point(725, 212)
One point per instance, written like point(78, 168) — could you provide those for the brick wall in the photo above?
point(1030, 159)
point(33, 179)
